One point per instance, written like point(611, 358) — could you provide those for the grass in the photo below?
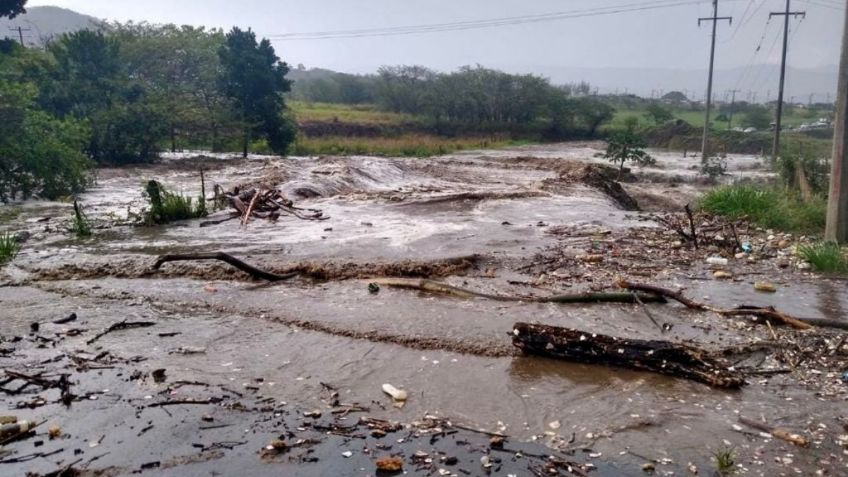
point(9, 247)
point(825, 257)
point(792, 117)
point(768, 207)
point(724, 460)
point(79, 224)
point(408, 145)
point(348, 113)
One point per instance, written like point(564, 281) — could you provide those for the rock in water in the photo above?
point(395, 393)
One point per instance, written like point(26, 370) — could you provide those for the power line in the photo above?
point(779, 114)
point(489, 23)
point(714, 19)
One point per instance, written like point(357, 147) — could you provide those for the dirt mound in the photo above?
point(596, 176)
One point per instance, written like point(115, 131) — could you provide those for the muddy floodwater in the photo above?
point(252, 357)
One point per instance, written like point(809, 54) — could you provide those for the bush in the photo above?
point(80, 225)
point(825, 257)
point(768, 207)
point(168, 207)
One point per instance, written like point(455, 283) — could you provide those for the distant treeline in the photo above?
point(472, 98)
point(122, 94)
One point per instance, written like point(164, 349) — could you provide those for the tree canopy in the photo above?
point(12, 8)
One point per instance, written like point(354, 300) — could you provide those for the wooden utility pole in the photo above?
point(837, 206)
point(775, 150)
point(715, 19)
point(732, 104)
point(20, 33)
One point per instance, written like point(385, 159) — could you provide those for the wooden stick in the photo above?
point(123, 325)
point(777, 432)
point(443, 288)
point(225, 257)
point(246, 217)
point(768, 313)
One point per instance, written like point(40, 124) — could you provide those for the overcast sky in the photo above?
point(660, 38)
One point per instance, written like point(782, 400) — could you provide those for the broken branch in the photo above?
point(227, 258)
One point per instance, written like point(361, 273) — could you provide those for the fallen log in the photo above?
point(777, 432)
point(445, 289)
point(768, 313)
point(662, 357)
point(227, 258)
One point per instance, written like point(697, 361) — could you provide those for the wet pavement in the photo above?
point(264, 353)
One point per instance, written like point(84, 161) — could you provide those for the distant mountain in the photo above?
point(42, 24)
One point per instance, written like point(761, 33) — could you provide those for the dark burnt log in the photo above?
point(663, 357)
point(227, 258)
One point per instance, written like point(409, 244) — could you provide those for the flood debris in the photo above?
point(776, 432)
point(662, 357)
point(445, 289)
point(261, 204)
point(227, 258)
point(122, 325)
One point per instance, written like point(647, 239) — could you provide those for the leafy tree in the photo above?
point(39, 155)
point(12, 8)
point(657, 113)
point(757, 117)
point(178, 67)
point(254, 79)
point(627, 145)
point(89, 81)
point(592, 112)
point(675, 97)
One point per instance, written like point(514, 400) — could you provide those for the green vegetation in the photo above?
point(122, 94)
point(768, 207)
point(725, 460)
point(627, 145)
point(80, 225)
point(409, 145)
point(348, 113)
point(12, 8)
point(166, 207)
point(825, 257)
point(9, 247)
point(467, 102)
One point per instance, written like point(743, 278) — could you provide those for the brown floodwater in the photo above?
point(454, 356)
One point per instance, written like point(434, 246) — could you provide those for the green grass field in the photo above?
point(791, 118)
point(360, 114)
point(405, 145)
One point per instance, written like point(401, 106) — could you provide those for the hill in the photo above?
point(45, 23)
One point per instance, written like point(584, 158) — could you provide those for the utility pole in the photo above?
point(837, 206)
point(20, 33)
point(732, 103)
point(776, 148)
point(715, 19)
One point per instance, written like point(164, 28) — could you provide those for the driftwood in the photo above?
point(268, 204)
point(657, 356)
point(443, 288)
point(225, 257)
point(122, 325)
point(777, 432)
point(768, 313)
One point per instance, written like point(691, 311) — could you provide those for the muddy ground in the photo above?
point(248, 363)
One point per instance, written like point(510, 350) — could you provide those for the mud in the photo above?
point(534, 221)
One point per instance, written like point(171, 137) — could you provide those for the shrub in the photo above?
point(80, 225)
point(168, 207)
point(825, 257)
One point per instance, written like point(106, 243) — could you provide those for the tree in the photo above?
point(254, 79)
point(627, 145)
point(39, 155)
point(12, 8)
point(675, 97)
point(757, 117)
point(592, 113)
point(89, 81)
point(658, 114)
